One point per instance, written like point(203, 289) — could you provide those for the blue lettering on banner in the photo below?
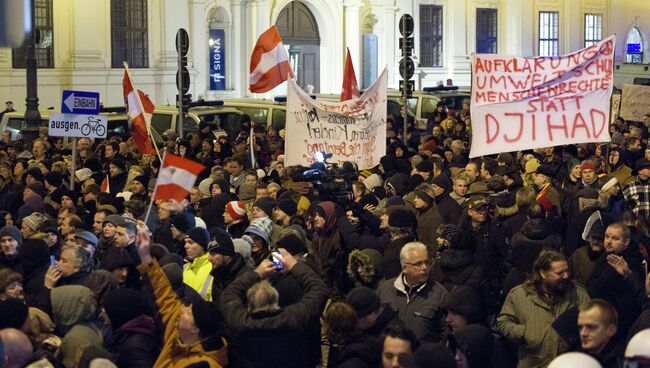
point(217, 60)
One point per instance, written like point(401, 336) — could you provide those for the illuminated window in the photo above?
point(593, 29)
point(634, 47)
point(549, 33)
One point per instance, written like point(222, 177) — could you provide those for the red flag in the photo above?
point(140, 109)
point(269, 62)
point(350, 88)
point(105, 186)
point(176, 177)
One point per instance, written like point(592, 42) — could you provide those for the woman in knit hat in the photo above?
point(260, 231)
point(139, 188)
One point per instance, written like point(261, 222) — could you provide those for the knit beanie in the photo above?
point(363, 299)
point(54, 178)
point(13, 313)
point(183, 221)
point(287, 206)
point(222, 243)
point(236, 210)
point(266, 204)
point(120, 312)
point(37, 188)
point(243, 246)
point(13, 232)
point(119, 163)
point(424, 166)
point(443, 182)
point(262, 227)
point(199, 235)
point(402, 217)
point(34, 221)
point(142, 179)
point(206, 317)
point(572, 163)
point(292, 244)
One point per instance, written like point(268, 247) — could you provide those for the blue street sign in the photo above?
point(217, 44)
point(79, 102)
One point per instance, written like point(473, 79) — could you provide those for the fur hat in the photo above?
point(366, 265)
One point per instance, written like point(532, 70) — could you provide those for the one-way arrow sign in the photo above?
point(79, 102)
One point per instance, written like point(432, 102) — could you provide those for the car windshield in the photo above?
point(257, 114)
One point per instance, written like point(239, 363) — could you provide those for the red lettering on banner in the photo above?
point(487, 127)
point(603, 121)
point(521, 127)
point(550, 127)
point(579, 122)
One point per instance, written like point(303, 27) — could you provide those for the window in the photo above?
point(548, 33)
point(486, 31)
point(44, 38)
point(634, 47)
point(129, 33)
point(593, 29)
point(430, 35)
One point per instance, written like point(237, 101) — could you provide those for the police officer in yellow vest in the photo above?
point(196, 271)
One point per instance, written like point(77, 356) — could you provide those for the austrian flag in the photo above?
point(176, 177)
point(139, 114)
point(269, 62)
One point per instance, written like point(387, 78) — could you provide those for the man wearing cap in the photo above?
point(429, 217)
point(117, 175)
point(181, 223)
point(449, 208)
point(415, 295)
point(637, 192)
point(401, 230)
point(33, 198)
point(544, 183)
point(227, 265)
point(86, 239)
point(191, 332)
point(32, 224)
point(583, 260)
point(284, 210)
point(197, 268)
point(589, 172)
point(10, 240)
point(491, 247)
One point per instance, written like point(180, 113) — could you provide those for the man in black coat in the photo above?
point(262, 333)
point(449, 208)
point(227, 265)
point(618, 275)
point(373, 317)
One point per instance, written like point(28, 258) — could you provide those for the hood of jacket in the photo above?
point(72, 304)
point(465, 301)
point(366, 266)
point(536, 229)
point(477, 342)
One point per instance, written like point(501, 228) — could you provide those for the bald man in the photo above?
point(17, 348)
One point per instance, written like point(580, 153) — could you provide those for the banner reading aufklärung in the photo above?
point(523, 103)
point(354, 130)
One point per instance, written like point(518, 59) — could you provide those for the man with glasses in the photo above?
point(415, 295)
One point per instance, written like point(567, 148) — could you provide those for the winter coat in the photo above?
point(624, 293)
point(456, 267)
point(212, 210)
point(34, 257)
point(196, 274)
point(525, 319)
point(362, 352)
point(420, 311)
point(223, 276)
point(116, 183)
point(73, 309)
point(429, 219)
point(163, 235)
point(477, 342)
point(237, 229)
point(642, 322)
point(210, 352)
point(449, 209)
point(388, 317)
point(135, 344)
point(582, 263)
point(365, 267)
point(272, 339)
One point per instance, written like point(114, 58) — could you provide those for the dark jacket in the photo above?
point(392, 265)
point(237, 230)
point(477, 342)
point(223, 276)
point(449, 209)
point(136, 344)
point(212, 210)
point(271, 339)
point(388, 317)
point(362, 352)
point(622, 292)
point(421, 310)
point(429, 219)
point(642, 322)
point(456, 267)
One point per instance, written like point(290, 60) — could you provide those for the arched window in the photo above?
point(634, 47)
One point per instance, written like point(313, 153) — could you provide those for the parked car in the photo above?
point(423, 103)
point(165, 117)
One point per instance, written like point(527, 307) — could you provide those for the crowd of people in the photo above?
point(430, 259)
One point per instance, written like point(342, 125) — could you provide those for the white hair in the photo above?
point(410, 247)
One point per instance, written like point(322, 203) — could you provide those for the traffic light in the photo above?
point(406, 65)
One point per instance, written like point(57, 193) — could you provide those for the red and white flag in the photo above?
point(140, 109)
point(105, 185)
point(269, 62)
point(176, 177)
point(350, 87)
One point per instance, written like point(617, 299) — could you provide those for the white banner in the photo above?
point(353, 130)
point(635, 102)
point(523, 103)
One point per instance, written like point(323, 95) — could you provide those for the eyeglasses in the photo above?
point(420, 264)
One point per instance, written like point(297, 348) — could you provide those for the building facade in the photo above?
point(82, 44)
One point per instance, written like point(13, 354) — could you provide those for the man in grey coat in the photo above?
point(415, 295)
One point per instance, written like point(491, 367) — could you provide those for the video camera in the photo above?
point(331, 182)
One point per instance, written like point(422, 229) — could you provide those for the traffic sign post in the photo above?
point(77, 125)
point(79, 102)
point(406, 65)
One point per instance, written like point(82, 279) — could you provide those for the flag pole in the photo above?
point(153, 195)
point(137, 96)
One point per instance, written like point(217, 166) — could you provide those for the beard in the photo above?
point(557, 288)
